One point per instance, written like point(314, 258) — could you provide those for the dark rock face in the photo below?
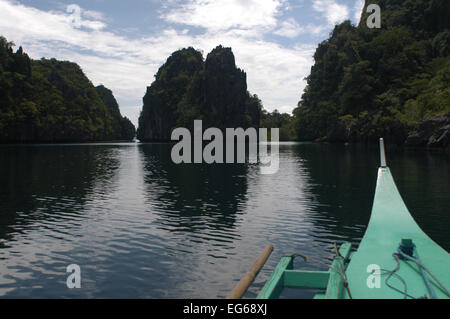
point(431, 133)
point(159, 113)
point(366, 130)
point(442, 139)
point(186, 88)
point(225, 89)
point(434, 132)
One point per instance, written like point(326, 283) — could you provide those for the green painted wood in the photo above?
point(345, 251)
point(275, 285)
point(351, 255)
point(389, 223)
point(319, 296)
point(306, 279)
point(335, 287)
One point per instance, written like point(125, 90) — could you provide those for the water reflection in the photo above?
point(192, 198)
point(343, 183)
point(46, 198)
point(44, 184)
point(423, 179)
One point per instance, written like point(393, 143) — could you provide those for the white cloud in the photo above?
point(127, 66)
point(317, 29)
point(96, 15)
point(226, 14)
point(333, 11)
point(77, 21)
point(289, 28)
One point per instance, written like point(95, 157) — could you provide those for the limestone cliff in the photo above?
point(186, 88)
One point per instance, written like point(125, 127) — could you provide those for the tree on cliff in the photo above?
point(283, 121)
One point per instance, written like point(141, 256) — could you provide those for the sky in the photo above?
point(121, 44)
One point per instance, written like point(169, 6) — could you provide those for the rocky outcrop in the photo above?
point(225, 89)
point(442, 138)
point(159, 113)
point(431, 133)
point(434, 132)
point(366, 130)
point(186, 88)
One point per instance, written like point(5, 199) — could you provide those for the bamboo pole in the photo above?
point(250, 276)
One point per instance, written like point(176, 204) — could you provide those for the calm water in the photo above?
point(142, 227)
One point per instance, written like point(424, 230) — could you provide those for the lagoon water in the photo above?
point(140, 226)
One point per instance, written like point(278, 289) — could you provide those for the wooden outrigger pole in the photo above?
point(250, 276)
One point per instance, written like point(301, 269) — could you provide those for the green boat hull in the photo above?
point(377, 270)
point(390, 223)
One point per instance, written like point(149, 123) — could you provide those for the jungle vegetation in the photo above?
point(53, 101)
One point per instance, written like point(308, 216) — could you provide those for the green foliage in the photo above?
point(53, 101)
point(283, 121)
point(116, 127)
point(380, 81)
